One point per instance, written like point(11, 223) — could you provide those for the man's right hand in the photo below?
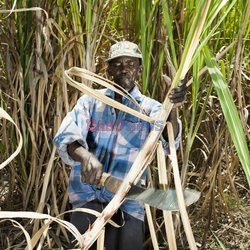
point(92, 169)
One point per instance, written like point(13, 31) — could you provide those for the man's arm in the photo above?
point(173, 119)
point(73, 128)
point(71, 143)
point(177, 97)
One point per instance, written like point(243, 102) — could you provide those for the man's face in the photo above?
point(125, 71)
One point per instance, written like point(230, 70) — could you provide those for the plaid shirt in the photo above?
point(115, 139)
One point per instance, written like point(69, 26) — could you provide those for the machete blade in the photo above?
point(161, 199)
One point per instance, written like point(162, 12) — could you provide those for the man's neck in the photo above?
point(118, 97)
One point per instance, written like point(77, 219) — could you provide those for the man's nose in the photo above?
point(124, 67)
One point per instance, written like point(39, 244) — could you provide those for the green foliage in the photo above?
point(229, 111)
point(222, 246)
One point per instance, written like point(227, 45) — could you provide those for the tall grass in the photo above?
point(36, 49)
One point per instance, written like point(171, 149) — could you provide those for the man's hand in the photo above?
point(92, 169)
point(177, 95)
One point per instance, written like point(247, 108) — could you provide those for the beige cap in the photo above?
point(124, 48)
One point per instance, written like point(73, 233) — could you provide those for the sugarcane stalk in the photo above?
point(100, 241)
point(151, 227)
point(167, 215)
point(179, 190)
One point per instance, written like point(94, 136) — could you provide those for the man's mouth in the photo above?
point(125, 81)
point(124, 76)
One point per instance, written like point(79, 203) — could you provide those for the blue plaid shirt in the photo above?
point(115, 139)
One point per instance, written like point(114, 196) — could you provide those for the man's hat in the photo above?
point(124, 48)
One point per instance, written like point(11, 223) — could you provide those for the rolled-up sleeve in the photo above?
point(73, 128)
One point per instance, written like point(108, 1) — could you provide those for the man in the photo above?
point(95, 137)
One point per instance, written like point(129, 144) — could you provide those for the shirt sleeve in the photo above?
point(154, 108)
point(73, 128)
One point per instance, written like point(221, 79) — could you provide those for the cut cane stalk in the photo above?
point(179, 191)
point(151, 227)
point(168, 219)
point(100, 241)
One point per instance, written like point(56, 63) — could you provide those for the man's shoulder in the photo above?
point(143, 99)
point(148, 102)
point(149, 105)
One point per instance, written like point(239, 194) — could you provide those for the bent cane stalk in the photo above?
point(5, 115)
point(85, 74)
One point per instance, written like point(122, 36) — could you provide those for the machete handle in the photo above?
point(103, 178)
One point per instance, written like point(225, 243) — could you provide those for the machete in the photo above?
point(161, 199)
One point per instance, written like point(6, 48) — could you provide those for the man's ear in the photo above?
point(141, 68)
point(140, 71)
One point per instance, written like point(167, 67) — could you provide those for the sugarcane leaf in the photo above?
point(230, 111)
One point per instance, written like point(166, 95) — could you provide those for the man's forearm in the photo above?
point(173, 119)
point(77, 152)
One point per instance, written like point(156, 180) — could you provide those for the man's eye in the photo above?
point(129, 64)
point(117, 64)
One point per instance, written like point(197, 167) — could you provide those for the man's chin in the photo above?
point(127, 85)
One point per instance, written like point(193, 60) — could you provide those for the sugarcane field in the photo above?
point(125, 124)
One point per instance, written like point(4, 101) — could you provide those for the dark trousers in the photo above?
point(128, 237)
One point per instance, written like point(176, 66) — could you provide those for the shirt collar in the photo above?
point(135, 93)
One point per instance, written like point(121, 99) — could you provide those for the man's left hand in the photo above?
point(177, 95)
